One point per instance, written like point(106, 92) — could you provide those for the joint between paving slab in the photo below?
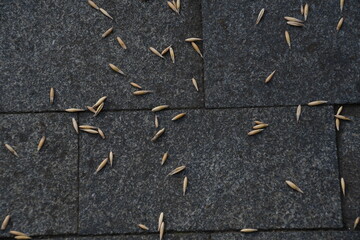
point(205, 232)
point(78, 179)
point(180, 108)
point(337, 142)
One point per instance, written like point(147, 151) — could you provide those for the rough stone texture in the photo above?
point(48, 44)
point(39, 189)
point(235, 181)
point(239, 55)
point(349, 152)
point(318, 235)
point(177, 236)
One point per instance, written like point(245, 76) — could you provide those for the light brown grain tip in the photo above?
point(260, 16)
point(293, 186)
point(5, 222)
point(52, 95)
point(103, 11)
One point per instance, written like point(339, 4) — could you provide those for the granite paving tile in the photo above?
point(316, 235)
point(239, 55)
point(50, 44)
point(39, 189)
point(235, 181)
point(348, 139)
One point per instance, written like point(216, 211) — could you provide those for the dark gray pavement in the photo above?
point(236, 181)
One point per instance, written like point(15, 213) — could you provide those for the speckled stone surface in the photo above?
point(177, 236)
point(39, 189)
point(235, 181)
point(48, 44)
point(321, 64)
point(349, 152)
point(311, 235)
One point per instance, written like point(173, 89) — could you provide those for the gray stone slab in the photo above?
point(39, 189)
point(177, 236)
point(348, 140)
point(316, 235)
point(239, 55)
point(47, 44)
point(235, 181)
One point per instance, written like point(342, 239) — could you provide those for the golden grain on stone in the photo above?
point(295, 24)
point(22, 237)
point(293, 186)
point(261, 14)
point(116, 69)
point(73, 110)
point(100, 101)
point(41, 143)
point(159, 108)
point(121, 42)
point(340, 23)
point(293, 19)
point(253, 132)
point(92, 4)
point(185, 183)
point(11, 149)
point(111, 157)
point(342, 117)
point(342, 182)
point(105, 13)
point(342, 5)
point(52, 95)
point(194, 82)
point(287, 38)
point(158, 134)
point(142, 226)
point(193, 39)
point(156, 52)
point(92, 131)
point(260, 126)
point(258, 122)
point(178, 5)
point(87, 127)
point(156, 121)
point(98, 110)
point(339, 110)
point(337, 124)
point(101, 133)
point(268, 79)
point(178, 116)
point(162, 230)
point(135, 85)
point(356, 222)
point(173, 7)
point(302, 9)
point(165, 50)
point(75, 125)
point(177, 170)
point(248, 230)
point(101, 165)
point(164, 158)
point(316, 103)
point(298, 113)
point(196, 48)
point(161, 219)
point(142, 92)
point(5, 222)
point(306, 11)
point(107, 32)
point(172, 55)
point(17, 233)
